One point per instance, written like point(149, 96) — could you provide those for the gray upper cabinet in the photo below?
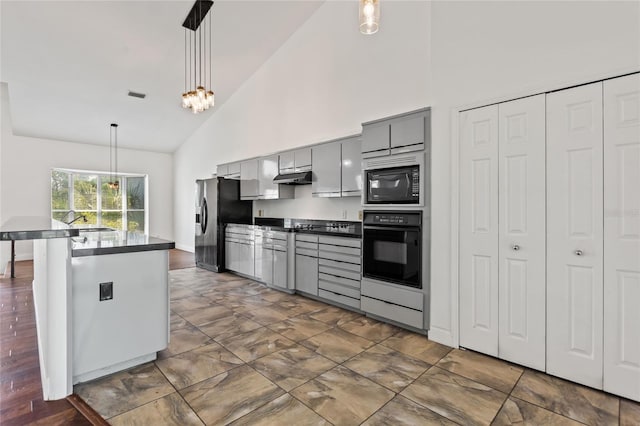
point(397, 134)
point(268, 190)
point(326, 165)
point(229, 171)
point(375, 137)
point(222, 170)
point(287, 162)
point(408, 130)
point(249, 179)
point(302, 159)
point(298, 160)
point(351, 167)
point(268, 169)
point(233, 171)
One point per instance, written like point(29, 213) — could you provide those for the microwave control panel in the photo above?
point(415, 187)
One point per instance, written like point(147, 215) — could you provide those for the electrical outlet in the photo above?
point(106, 291)
point(259, 212)
point(359, 214)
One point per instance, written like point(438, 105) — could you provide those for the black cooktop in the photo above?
point(314, 226)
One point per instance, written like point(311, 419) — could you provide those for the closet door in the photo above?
point(521, 252)
point(622, 236)
point(574, 234)
point(479, 229)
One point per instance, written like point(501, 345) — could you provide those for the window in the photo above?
point(88, 194)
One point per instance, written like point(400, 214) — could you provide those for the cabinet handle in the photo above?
point(515, 247)
point(578, 252)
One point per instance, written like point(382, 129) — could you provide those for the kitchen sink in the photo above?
point(95, 229)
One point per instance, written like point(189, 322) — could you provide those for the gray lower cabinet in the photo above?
point(325, 164)
point(275, 259)
point(339, 268)
point(239, 249)
point(393, 302)
point(307, 264)
point(258, 252)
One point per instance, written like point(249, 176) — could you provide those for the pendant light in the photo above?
point(369, 16)
point(113, 183)
point(196, 96)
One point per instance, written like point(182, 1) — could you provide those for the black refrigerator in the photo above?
point(217, 203)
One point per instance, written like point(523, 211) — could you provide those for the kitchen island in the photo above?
point(101, 299)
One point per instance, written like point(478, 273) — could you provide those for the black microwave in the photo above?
point(396, 185)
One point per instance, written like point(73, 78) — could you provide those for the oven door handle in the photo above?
point(393, 228)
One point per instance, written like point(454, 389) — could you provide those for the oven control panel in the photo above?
point(387, 218)
point(404, 218)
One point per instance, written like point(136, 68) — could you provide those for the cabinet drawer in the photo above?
point(393, 294)
point(353, 251)
point(307, 252)
point(339, 241)
point(275, 235)
point(340, 265)
point(393, 312)
point(307, 237)
point(239, 241)
point(337, 288)
point(340, 280)
point(347, 258)
point(355, 276)
point(303, 244)
point(354, 303)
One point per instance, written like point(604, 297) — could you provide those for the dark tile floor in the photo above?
point(241, 353)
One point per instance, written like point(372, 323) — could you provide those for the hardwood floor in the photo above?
point(180, 259)
point(21, 400)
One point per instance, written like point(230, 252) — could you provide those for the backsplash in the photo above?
point(305, 206)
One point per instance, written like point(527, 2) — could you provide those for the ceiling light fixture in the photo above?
point(196, 96)
point(113, 183)
point(369, 16)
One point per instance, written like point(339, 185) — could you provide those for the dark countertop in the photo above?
point(116, 242)
point(334, 228)
point(35, 228)
point(329, 233)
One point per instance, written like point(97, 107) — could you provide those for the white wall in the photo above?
point(484, 51)
point(321, 84)
point(25, 174)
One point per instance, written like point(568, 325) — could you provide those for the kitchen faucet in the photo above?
point(77, 218)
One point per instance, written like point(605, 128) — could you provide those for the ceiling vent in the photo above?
point(136, 95)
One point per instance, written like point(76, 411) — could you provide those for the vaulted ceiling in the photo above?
point(70, 64)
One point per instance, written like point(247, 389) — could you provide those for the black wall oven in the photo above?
point(392, 246)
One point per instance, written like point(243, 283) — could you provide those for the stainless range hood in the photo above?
point(300, 178)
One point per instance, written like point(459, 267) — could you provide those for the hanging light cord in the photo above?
point(110, 154)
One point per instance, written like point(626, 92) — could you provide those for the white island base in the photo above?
point(127, 330)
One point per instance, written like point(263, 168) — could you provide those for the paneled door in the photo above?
point(479, 229)
point(574, 234)
point(521, 252)
point(622, 236)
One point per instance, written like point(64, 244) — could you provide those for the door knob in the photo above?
point(578, 252)
point(515, 247)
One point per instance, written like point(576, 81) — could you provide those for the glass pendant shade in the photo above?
point(369, 16)
point(198, 95)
